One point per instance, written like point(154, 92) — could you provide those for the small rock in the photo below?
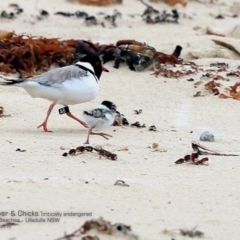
point(207, 136)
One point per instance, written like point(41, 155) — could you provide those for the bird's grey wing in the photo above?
point(59, 75)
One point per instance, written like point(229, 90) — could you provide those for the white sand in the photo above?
point(161, 195)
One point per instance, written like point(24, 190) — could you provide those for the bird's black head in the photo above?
point(96, 64)
point(110, 105)
point(91, 56)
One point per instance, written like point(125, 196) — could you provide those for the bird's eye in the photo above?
point(97, 64)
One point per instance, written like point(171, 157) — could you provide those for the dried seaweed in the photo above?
point(120, 120)
point(102, 152)
point(138, 111)
point(226, 45)
point(168, 73)
point(138, 125)
point(2, 113)
point(29, 55)
point(152, 128)
point(100, 2)
point(20, 150)
point(153, 16)
point(33, 55)
point(197, 148)
point(193, 159)
point(212, 87)
point(184, 232)
point(198, 151)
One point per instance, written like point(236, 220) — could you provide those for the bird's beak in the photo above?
point(104, 69)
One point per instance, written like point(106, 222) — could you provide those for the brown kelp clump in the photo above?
point(29, 55)
point(33, 55)
point(99, 2)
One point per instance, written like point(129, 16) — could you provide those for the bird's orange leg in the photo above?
point(69, 114)
point(44, 124)
point(100, 134)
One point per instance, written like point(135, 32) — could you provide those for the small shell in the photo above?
point(207, 136)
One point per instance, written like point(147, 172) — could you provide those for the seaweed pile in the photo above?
point(100, 2)
point(29, 56)
point(152, 15)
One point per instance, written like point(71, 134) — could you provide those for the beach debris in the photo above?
point(123, 149)
point(199, 149)
point(138, 111)
point(207, 136)
point(79, 150)
point(153, 16)
point(211, 32)
point(155, 145)
point(101, 227)
point(2, 113)
point(5, 35)
point(232, 92)
point(13, 13)
point(219, 65)
point(226, 45)
point(213, 76)
point(234, 73)
point(198, 94)
point(14, 5)
point(100, 2)
point(152, 128)
point(184, 232)
point(156, 148)
point(171, 2)
point(111, 19)
point(214, 88)
point(44, 13)
point(191, 233)
point(169, 73)
point(33, 55)
point(91, 20)
point(121, 183)
point(138, 125)
point(64, 14)
point(193, 157)
point(120, 120)
point(174, 2)
point(20, 150)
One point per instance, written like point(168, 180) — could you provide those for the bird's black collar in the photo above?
point(87, 70)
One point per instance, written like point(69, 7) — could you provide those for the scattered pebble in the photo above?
point(207, 136)
point(152, 128)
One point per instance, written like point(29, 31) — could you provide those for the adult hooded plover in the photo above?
point(68, 85)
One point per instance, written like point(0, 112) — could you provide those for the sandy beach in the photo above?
point(161, 194)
